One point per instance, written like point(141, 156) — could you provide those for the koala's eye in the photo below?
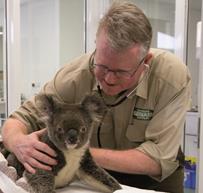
point(83, 129)
point(45, 108)
point(60, 130)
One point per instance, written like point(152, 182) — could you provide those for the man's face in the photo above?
point(116, 71)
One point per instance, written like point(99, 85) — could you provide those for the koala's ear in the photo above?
point(95, 106)
point(45, 104)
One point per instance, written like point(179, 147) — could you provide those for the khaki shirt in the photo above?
point(151, 119)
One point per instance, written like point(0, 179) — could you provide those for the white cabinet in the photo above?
point(191, 134)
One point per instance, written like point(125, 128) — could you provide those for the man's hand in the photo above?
point(32, 153)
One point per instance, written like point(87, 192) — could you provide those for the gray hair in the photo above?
point(126, 25)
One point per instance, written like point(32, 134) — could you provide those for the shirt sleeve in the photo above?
point(69, 85)
point(28, 114)
point(164, 132)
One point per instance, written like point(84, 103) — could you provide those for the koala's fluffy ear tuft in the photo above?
point(45, 104)
point(95, 106)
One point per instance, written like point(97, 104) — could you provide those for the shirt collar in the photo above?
point(142, 89)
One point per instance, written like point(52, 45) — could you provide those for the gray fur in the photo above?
point(69, 130)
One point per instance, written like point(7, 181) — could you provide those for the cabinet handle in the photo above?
point(198, 133)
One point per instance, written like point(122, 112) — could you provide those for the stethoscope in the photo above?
point(121, 99)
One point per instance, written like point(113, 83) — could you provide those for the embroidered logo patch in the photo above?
point(143, 114)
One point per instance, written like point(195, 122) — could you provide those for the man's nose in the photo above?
point(110, 77)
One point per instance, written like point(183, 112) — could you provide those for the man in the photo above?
point(148, 94)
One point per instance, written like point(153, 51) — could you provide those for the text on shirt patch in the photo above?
point(142, 114)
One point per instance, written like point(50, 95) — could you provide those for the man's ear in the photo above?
point(95, 106)
point(148, 58)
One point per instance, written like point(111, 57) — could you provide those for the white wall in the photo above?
point(72, 29)
point(162, 18)
point(39, 43)
point(1, 36)
point(192, 60)
point(52, 33)
point(95, 10)
point(2, 96)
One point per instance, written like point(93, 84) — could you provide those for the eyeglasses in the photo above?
point(120, 74)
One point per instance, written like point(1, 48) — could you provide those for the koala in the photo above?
point(69, 128)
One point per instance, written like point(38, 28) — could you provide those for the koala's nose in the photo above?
point(72, 135)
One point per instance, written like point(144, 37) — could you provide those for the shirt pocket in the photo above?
point(136, 131)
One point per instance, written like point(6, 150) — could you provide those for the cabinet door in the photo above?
point(2, 64)
point(191, 145)
point(194, 61)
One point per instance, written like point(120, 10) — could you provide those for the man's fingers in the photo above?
point(40, 132)
point(43, 147)
point(37, 155)
point(37, 164)
point(32, 163)
point(29, 168)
